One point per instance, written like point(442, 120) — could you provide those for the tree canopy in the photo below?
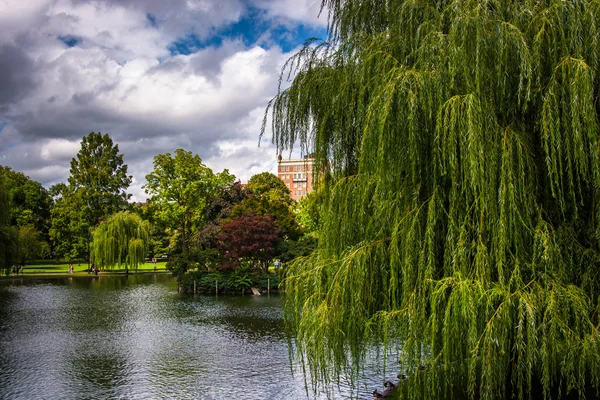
point(123, 239)
point(252, 237)
point(8, 234)
point(98, 173)
point(182, 186)
point(458, 145)
point(95, 190)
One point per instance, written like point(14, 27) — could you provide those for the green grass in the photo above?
point(45, 268)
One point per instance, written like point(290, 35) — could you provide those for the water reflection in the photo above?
point(135, 337)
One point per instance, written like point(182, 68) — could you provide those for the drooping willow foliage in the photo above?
point(122, 240)
point(457, 145)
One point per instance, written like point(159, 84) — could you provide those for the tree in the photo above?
point(159, 238)
point(30, 201)
point(31, 245)
point(268, 186)
point(267, 195)
point(252, 237)
point(182, 187)
point(98, 173)
point(29, 209)
point(96, 190)
point(121, 240)
point(459, 145)
point(69, 229)
point(8, 234)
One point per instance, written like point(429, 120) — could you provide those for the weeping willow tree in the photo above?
point(457, 145)
point(122, 240)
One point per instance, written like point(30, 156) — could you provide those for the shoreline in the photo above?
point(78, 275)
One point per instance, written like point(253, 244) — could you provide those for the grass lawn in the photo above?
point(43, 268)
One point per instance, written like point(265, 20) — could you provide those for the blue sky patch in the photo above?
point(253, 28)
point(152, 20)
point(69, 40)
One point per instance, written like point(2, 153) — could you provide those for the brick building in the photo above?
point(297, 175)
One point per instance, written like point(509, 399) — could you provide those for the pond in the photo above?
point(137, 338)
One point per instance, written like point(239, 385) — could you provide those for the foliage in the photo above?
point(206, 282)
point(291, 249)
point(240, 280)
point(226, 282)
point(250, 236)
point(31, 245)
point(69, 231)
point(8, 234)
point(268, 186)
point(121, 240)
point(100, 177)
point(218, 210)
point(159, 232)
point(29, 212)
point(458, 145)
point(182, 187)
point(267, 281)
point(29, 201)
point(269, 196)
point(96, 189)
point(309, 211)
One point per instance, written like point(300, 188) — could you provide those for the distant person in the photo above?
point(154, 261)
point(21, 269)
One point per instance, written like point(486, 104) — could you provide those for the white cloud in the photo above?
point(304, 11)
point(121, 79)
point(59, 149)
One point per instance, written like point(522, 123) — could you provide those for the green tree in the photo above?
point(95, 190)
point(159, 232)
point(30, 205)
point(268, 186)
point(458, 141)
point(100, 177)
point(69, 229)
point(31, 245)
point(182, 187)
point(30, 201)
point(122, 240)
point(8, 234)
point(269, 196)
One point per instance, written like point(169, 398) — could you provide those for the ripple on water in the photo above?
point(139, 339)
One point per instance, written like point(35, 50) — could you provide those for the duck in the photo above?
point(389, 388)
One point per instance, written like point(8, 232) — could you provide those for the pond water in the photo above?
point(136, 338)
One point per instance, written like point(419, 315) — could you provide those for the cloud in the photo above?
point(303, 11)
point(70, 67)
point(16, 76)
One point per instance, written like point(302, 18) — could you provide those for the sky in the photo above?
point(155, 75)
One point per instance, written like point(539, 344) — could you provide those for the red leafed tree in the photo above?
point(251, 237)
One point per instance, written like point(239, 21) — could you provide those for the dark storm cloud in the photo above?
point(16, 76)
point(68, 68)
